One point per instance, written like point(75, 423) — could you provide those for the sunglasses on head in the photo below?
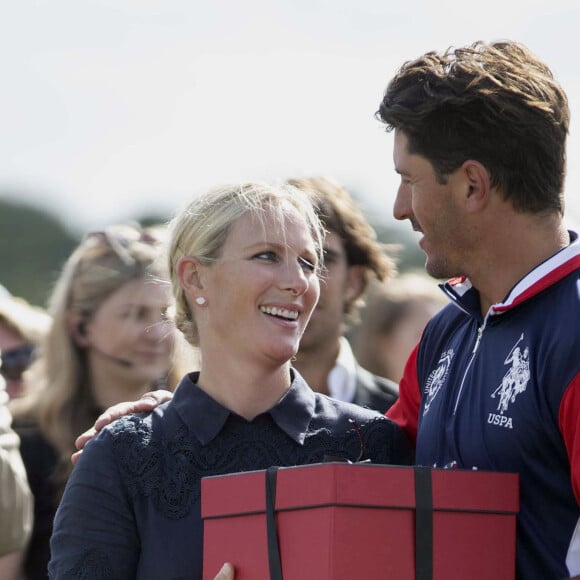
point(119, 238)
point(14, 361)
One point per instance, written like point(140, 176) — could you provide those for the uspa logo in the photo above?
point(516, 378)
point(437, 378)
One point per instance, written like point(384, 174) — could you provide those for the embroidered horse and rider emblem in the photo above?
point(516, 378)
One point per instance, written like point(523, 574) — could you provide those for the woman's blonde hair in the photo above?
point(60, 396)
point(201, 229)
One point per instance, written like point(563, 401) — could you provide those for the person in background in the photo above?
point(480, 146)
point(392, 321)
point(16, 503)
point(244, 263)
point(22, 328)
point(109, 340)
point(352, 259)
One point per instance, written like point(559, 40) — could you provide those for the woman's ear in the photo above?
point(77, 328)
point(190, 277)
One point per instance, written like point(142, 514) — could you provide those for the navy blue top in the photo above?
point(500, 393)
point(131, 508)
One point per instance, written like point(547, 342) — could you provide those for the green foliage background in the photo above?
point(33, 247)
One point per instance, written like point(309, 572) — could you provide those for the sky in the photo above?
point(113, 109)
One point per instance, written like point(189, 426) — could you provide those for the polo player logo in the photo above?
point(437, 378)
point(516, 379)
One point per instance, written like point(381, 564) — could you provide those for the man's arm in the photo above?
point(405, 411)
point(569, 423)
point(16, 502)
point(15, 505)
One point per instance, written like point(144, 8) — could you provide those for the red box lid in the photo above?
point(368, 485)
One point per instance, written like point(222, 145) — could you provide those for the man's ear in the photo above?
point(189, 272)
point(477, 185)
point(77, 327)
point(354, 283)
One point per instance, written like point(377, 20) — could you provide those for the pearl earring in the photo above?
point(200, 300)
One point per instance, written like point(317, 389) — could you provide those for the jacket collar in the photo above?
point(546, 274)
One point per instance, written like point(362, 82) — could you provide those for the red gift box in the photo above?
point(341, 522)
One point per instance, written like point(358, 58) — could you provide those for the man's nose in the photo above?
point(402, 208)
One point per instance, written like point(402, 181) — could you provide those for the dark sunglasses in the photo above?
point(15, 361)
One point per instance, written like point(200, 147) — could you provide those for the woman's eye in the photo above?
point(270, 256)
point(307, 265)
point(135, 314)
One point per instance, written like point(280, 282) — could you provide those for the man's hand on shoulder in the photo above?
point(146, 403)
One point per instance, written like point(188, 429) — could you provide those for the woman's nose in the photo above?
point(295, 279)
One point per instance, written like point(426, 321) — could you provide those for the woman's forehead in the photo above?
point(274, 219)
point(271, 226)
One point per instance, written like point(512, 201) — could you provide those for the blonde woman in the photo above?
point(109, 340)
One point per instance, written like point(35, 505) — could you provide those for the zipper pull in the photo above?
point(478, 339)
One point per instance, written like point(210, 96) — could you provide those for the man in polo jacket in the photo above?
point(494, 384)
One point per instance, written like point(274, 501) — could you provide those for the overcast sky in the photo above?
point(110, 109)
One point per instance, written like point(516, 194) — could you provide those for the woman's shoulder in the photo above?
point(136, 429)
point(384, 441)
point(126, 443)
point(334, 408)
point(135, 436)
point(338, 415)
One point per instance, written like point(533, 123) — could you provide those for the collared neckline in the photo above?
point(205, 417)
point(342, 377)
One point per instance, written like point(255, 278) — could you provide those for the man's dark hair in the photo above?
point(339, 213)
point(494, 103)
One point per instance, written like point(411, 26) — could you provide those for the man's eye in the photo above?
point(330, 257)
